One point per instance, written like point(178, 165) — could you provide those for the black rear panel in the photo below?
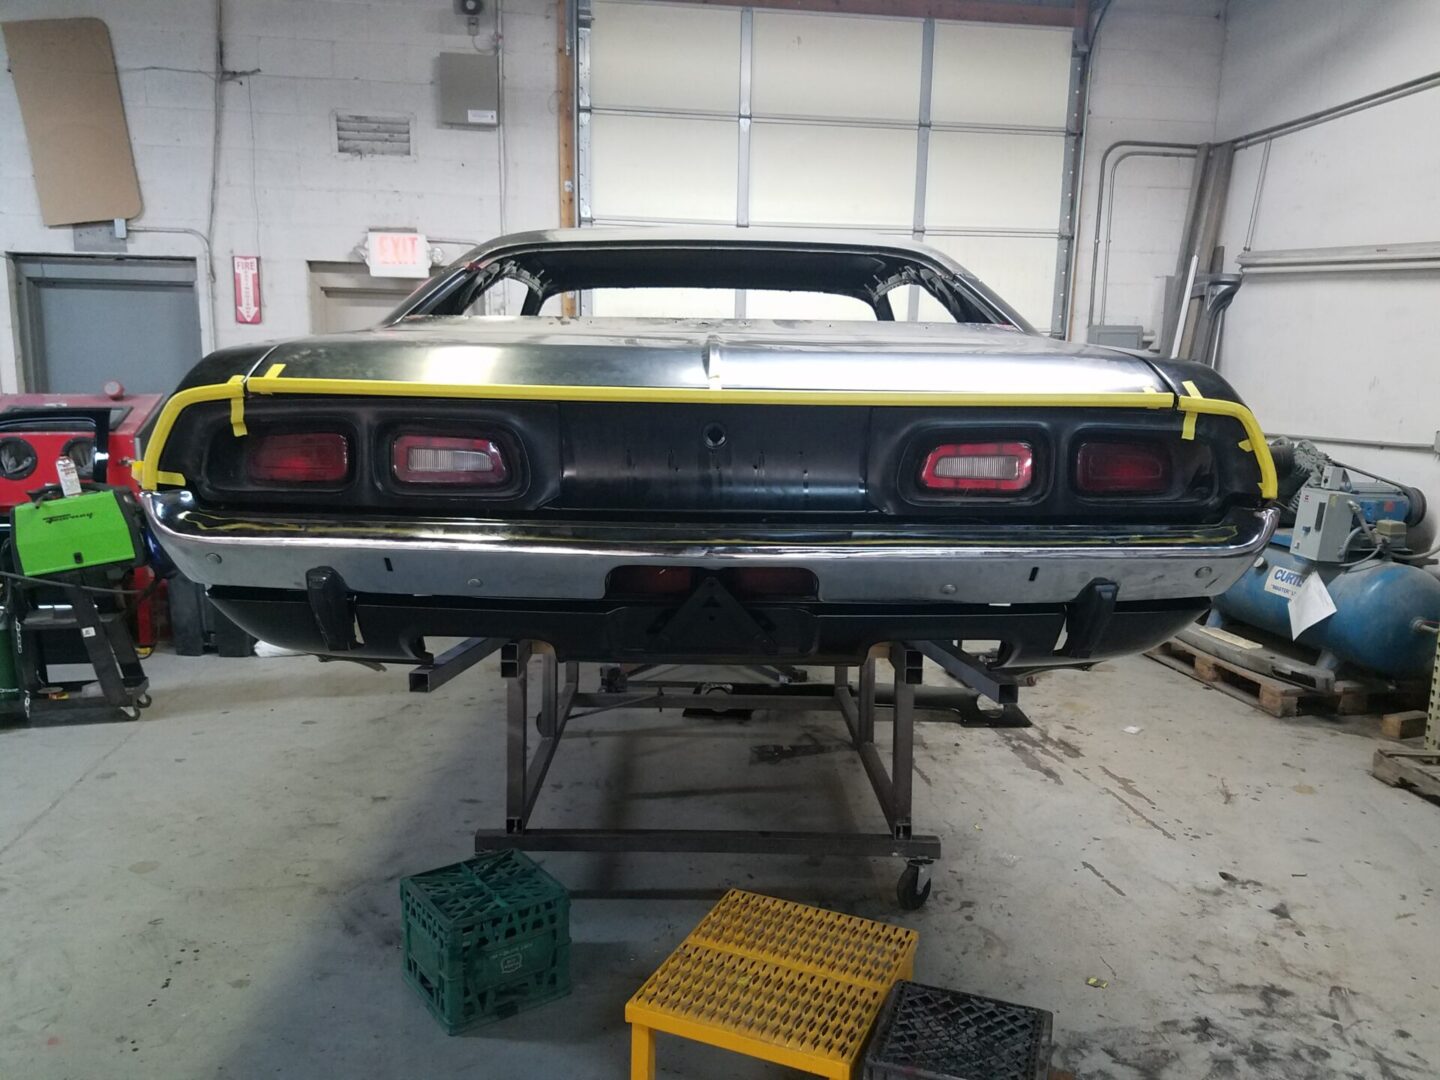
point(638, 462)
point(632, 457)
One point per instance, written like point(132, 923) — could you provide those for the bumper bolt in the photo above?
point(475, 583)
point(948, 590)
point(1203, 571)
point(213, 557)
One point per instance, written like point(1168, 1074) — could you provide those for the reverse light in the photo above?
point(444, 459)
point(1121, 468)
point(309, 458)
point(988, 468)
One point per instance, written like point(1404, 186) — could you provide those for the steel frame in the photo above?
point(861, 706)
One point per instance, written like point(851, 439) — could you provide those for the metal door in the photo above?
point(343, 296)
point(85, 320)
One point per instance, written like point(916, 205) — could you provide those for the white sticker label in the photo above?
point(1310, 605)
point(69, 476)
point(481, 116)
point(1283, 581)
point(87, 631)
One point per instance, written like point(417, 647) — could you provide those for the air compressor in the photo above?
point(1350, 528)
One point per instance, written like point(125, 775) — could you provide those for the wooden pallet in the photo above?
point(1412, 768)
point(1264, 657)
point(1277, 696)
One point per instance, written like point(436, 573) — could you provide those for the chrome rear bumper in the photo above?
point(513, 560)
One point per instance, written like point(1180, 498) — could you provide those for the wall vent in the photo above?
point(365, 136)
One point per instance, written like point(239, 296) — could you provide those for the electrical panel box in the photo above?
point(1323, 521)
point(1328, 515)
point(469, 89)
point(1118, 337)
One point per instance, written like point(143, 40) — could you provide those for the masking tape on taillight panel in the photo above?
point(148, 471)
point(272, 383)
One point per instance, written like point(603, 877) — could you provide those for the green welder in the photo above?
point(65, 559)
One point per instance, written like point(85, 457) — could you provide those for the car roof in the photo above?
point(727, 236)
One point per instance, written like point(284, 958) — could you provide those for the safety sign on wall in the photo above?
point(247, 289)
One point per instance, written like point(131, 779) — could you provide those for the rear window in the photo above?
point(720, 304)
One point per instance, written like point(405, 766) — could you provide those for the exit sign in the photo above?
point(397, 254)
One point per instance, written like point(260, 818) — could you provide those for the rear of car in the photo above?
point(722, 488)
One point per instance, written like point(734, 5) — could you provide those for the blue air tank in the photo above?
point(1377, 606)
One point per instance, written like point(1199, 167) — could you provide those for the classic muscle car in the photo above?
point(720, 488)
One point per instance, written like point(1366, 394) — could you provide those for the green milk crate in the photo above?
point(486, 938)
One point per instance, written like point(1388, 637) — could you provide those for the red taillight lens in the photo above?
point(442, 459)
point(311, 458)
point(650, 580)
point(989, 468)
point(1117, 468)
point(759, 582)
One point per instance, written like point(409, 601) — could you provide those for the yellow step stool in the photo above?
point(784, 982)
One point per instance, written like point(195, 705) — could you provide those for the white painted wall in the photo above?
point(1155, 76)
point(1345, 355)
point(283, 191)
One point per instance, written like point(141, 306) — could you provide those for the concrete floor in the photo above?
point(212, 892)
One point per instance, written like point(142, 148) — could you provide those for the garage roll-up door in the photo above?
point(954, 133)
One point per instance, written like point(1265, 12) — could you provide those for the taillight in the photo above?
point(1121, 468)
point(650, 580)
point(444, 459)
point(987, 468)
point(760, 582)
point(312, 458)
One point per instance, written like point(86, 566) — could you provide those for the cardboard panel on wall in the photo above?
point(64, 72)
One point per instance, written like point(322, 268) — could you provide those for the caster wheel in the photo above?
point(913, 888)
point(144, 701)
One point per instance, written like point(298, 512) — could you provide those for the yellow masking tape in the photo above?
point(237, 408)
point(149, 474)
point(1269, 486)
point(1187, 427)
point(273, 383)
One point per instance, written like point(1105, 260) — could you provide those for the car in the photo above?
point(708, 486)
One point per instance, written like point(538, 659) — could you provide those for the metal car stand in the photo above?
point(860, 706)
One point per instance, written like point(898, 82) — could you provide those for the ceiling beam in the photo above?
point(993, 11)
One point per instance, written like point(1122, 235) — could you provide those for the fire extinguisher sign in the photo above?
point(247, 289)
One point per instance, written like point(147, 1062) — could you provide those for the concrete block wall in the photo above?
point(1155, 76)
point(282, 190)
point(1346, 355)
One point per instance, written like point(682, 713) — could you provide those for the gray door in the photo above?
point(85, 320)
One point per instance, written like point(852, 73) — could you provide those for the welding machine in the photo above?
point(67, 556)
point(97, 528)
